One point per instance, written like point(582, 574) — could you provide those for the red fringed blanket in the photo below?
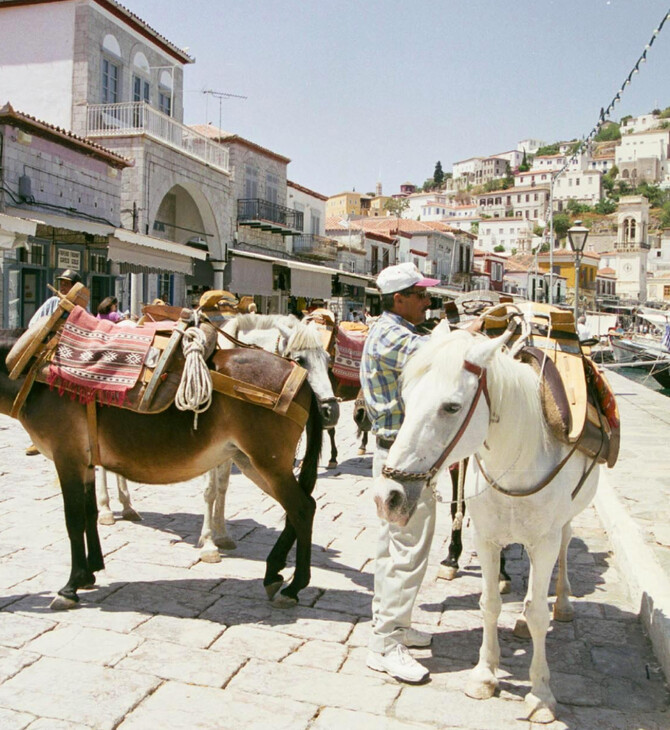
point(97, 358)
point(348, 352)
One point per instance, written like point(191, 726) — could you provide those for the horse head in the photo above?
point(447, 415)
point(305, 347)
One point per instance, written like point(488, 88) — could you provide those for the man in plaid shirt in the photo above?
point(402, 552)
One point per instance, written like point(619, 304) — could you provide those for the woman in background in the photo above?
point(108, 309)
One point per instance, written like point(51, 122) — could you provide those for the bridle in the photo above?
point(482, 389)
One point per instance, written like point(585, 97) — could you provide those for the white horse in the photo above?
point(466, 396)
point(287, 336)
point(284, 335)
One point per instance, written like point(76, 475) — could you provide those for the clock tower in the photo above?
point(629, 258)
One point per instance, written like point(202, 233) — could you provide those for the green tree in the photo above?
point(438, 175)
point(548, 149)
point(428, 185)
point(396, 206)
point(474, 227)
point(605, 207)
point(608, 132)
point(561, 224)
point(524, 166)
point(499, 248)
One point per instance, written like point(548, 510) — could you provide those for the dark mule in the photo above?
point(164, 448)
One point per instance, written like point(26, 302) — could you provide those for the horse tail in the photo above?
point(314, 429)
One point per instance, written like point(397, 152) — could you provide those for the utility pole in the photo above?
point(221, 95)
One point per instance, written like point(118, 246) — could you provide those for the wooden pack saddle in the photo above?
point(579, 406)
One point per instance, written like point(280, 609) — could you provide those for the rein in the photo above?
point(482, 387)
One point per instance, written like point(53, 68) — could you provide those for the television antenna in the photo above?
point(221, 95)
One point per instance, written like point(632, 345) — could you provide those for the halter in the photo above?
point(482, 387)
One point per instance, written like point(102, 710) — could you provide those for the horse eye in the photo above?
point(451, 407)
point(300, 360)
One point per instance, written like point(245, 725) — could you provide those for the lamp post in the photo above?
point(577, 236)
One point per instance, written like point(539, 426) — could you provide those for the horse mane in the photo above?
point(514, 386)
point(304, 337)
point(246, 322)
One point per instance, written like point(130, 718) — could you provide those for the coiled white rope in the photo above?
point(195, 389)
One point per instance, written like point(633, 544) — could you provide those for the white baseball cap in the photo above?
point(402, 276)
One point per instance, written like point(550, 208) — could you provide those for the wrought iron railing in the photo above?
point(251, 210)
point(137, 117)
point(313, 245)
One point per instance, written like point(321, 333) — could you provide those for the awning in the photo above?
point(14, 231)
point(309, 280)
point(69, 223)
point(146, 254)
point(351, 280)
point(251, 275)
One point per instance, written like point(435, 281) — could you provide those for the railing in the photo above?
point(137, 117)
point(253, 210)
point(310, 244)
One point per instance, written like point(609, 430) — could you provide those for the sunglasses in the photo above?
point(421, 293)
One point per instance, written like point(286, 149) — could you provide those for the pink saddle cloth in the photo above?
point(348, 353)
point(97, 359)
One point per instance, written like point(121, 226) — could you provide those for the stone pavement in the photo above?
point(165, 641)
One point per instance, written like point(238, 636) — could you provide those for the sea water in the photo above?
point(641, 375)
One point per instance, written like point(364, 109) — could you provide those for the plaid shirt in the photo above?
point(388, 346)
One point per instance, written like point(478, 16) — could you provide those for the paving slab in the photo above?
point(165, 641)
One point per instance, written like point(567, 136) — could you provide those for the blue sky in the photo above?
point(355, 92)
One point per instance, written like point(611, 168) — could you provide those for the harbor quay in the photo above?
point(166, 641)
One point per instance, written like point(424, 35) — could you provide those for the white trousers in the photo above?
point(401, 561)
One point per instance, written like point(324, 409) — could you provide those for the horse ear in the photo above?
point(483, 350)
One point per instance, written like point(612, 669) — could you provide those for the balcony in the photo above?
point(320, 248)
point(138, 118)
point(267, 216)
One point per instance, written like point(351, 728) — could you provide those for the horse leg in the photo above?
point(563, 610)
point(364, 442)
point(80, 519)
point(333, 449)
point(128, 512)
point(213, 534)
point(540, 700)
point(504, 580)
point(482, 682)
point(449, 566)
point(105, 515)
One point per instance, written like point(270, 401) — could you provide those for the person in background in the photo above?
point(109, 309)
point(65, 282)
point(583, 330)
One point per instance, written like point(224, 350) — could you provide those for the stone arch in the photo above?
point(625, 174)
point(111, 45)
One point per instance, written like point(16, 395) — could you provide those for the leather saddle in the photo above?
point(578, 404)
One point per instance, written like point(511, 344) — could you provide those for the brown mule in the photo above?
point(163, 448)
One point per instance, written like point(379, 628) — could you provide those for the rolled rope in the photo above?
point(195, 389)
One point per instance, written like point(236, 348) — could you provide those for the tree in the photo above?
point(438, 175)
point(561, 224)
point(396, 206)
point(605, 207)
point(609, 132)
point(524, 166)
point(549, 149)
point(428, 185)
point(474, 227)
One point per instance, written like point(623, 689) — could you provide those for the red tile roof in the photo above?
point(209, 130)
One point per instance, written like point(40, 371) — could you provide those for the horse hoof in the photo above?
point(361, 452)
point(130, 515)
point(272, 588)
point(563, 614)
point(282, 601)
point(480, 690)
point(504, 586)
point(331, 464)
point(447, 572)
point(521, 629)
point(539, 710)
point(106, 518)
point(210, 556)
point(225, 543)
point(60, 603)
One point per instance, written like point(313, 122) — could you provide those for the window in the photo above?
point(110, 82)
point(165, 89)
point(272, 187)
point(316, 223)
point(165, 102)
point(141, 89)
point(97, 263)
point(251, 182)
point(577, 181)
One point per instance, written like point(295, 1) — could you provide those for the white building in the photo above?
point(644, 156)
point(513, 234)
point(584, 187)
point(530, 146)
point(643, 123)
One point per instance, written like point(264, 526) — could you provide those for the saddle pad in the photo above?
point(97, 359)
point(348, 352)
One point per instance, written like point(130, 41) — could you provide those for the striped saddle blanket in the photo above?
point(348, 353)
point(97, 359)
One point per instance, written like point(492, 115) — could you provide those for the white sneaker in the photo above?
point(415, 639)
point(399, 663)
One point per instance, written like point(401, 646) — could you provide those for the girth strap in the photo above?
point(92, 424)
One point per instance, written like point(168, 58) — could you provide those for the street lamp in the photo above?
point(577, 236)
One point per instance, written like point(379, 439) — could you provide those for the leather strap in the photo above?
point(291, 387)
point(254, 394)
point(92, 423)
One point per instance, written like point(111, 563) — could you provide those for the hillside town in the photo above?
point(101, 175)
